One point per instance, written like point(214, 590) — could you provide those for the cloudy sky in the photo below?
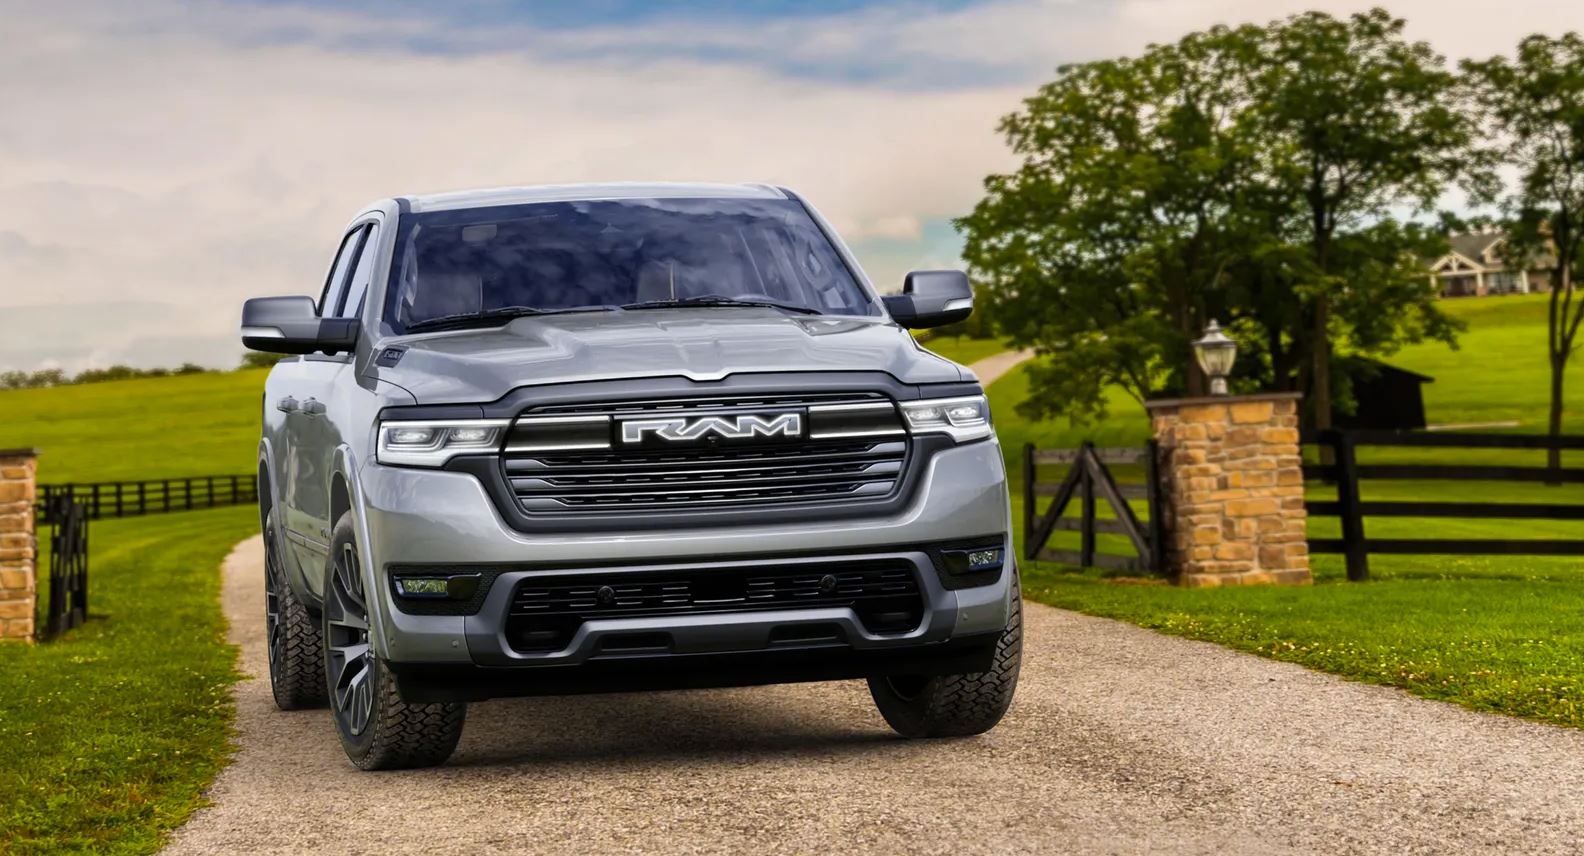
point(162, 160)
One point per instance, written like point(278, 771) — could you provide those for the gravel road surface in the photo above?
point(1120, 741)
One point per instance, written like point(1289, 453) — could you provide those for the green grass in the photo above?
point(1499, 372)
point(961, 349)
point(112, 732)
point(190, 425)
point(1498, 634)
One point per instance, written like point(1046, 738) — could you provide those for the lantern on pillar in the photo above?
point(1216, 353)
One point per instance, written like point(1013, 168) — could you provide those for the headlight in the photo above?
point(431, 444)
point(963, 418)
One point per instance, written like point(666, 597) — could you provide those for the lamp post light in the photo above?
point(1216, 353)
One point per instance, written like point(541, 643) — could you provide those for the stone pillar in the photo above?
point(18, 549)
point(1233, 484)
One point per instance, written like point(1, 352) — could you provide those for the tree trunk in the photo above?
point(1320, 373)
point(1554, 454)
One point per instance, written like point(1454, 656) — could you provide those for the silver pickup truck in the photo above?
point(622, 437)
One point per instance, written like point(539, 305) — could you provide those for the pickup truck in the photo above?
point(622, 437)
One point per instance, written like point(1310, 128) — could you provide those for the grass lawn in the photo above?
point(112, 732)
point(188, 425)
point(1499, 371)
point(1493, 633)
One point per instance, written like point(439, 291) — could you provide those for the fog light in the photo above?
point(450, 586)
point(984, 560)
point(972, 560)
point(421, 586)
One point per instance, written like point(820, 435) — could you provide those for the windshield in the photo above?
point(559, 256)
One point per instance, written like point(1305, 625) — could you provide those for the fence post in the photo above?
point(1157, 508)
point(187, 492)
point(1030, 496)
point(1353, 541)
point(1086, 554)
point(97, 512)
point(142, 498)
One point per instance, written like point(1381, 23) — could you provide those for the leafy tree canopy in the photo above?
point(1250, 174)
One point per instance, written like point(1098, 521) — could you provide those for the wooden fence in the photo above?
point(1347, 473)
point(150, 496)
point(1089, 477)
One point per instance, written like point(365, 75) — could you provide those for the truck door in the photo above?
point(302, 464)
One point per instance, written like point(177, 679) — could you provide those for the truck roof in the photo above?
point(576, 192)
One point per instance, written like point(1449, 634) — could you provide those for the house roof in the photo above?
point(1473, 246)
point(1388, 369)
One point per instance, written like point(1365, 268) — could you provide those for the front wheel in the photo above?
point(378, 730)
point(956, 705)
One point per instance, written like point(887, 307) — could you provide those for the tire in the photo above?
point(956, 705)
point(296, 650)
point(378, 730)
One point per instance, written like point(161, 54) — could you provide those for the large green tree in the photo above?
point(1535, 102)
point(1106, 249)
point(1250, 174)
point(1368, 124)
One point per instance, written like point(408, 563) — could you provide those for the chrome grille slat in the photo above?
point(707, 402)
point(705, 475)
point(609, 482)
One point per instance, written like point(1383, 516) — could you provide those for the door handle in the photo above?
point(312, 408)
point(286, 405)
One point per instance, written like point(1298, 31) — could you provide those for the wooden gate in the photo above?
point(1089, 478)
point(68, 568)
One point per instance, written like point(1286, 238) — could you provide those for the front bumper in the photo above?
point(435, 518)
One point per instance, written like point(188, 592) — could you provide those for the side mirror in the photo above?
point(931, 298)
point(291, 325)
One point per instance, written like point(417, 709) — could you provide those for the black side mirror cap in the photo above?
point(931, 298)
point(291, 325)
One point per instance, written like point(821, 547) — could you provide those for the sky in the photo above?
point(160, 161)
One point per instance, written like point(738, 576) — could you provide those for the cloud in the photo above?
point(189, 155)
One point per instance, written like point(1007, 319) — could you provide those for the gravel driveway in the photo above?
point(1120, 740)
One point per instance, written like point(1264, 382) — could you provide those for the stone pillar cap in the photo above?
point(1153, 403)
point(19, 453)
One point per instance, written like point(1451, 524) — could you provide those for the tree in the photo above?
point(1247, 174)
point(1368, 122)
point(1105, 249)
point(259, 360)
point(1536, 102)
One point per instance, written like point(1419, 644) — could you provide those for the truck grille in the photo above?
point(545, 613)
point(573, 459)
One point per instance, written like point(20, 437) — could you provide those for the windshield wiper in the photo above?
point(497, 315)
point(721, 300)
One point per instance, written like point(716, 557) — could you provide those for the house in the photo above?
point(1475, 268)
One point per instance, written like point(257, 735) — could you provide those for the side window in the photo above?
point(357, 287)
point(335, 283)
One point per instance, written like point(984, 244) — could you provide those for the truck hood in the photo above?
point(704, 344)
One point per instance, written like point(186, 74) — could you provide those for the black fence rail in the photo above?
point(67, 606)
point(1089, 478)
point(1347, 473)
point(149, 496)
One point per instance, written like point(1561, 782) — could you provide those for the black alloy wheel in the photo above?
point(349, 661)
